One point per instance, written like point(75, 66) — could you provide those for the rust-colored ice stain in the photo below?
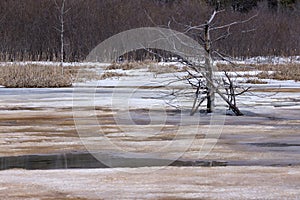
point(52, 130)
point(275, 90)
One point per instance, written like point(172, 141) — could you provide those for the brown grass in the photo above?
point(256, 81)
point(264, 75)
point(83, 73)
point(125, 65)
point(283, 72)
point(150, 65)
point(159, 69)
point(290, 71)
point(34, 76)
point(230, 68)
point(108, 74)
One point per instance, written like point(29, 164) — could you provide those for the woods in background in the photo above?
point(29, 29)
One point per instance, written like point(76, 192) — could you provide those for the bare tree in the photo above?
point(211, 86)
point(62, 12)
point(203, 81)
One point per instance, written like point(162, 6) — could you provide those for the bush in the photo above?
point(34, 76)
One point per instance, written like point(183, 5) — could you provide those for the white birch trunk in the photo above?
point(62, 30)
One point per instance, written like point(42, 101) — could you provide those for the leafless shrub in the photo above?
point(34, 76)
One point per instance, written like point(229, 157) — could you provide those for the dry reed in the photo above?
point(34, 76)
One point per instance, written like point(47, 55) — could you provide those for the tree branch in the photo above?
point(234, 23)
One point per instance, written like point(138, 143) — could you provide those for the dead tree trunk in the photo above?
point(209, 71)
point(211, 87)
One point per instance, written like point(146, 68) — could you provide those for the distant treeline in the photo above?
point(29, 29)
